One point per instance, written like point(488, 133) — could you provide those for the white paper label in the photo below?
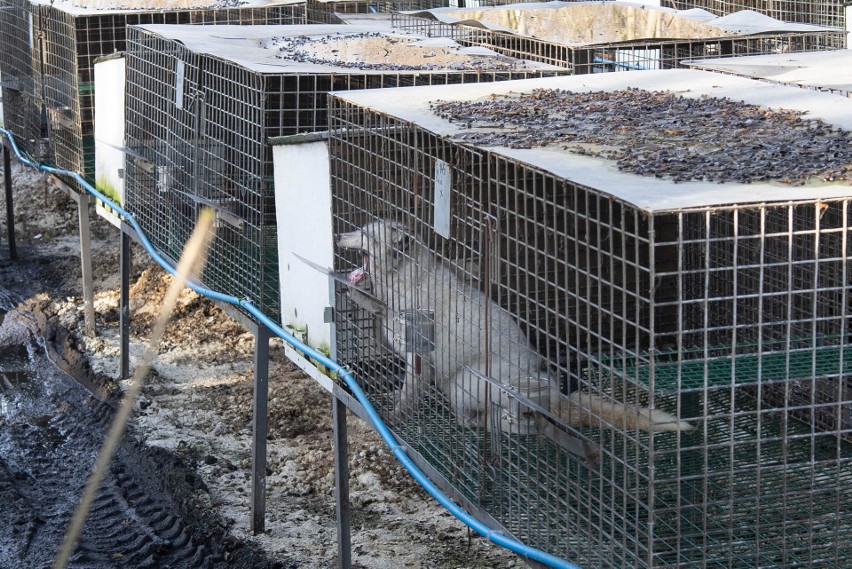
point(443, 186)
point(179, 71)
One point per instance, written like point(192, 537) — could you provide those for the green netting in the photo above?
point(743, 365)
point(747, 490)
point(89, 158)
point(244, 262)
point(757, 518)
point(271, 284)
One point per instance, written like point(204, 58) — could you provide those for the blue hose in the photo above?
point(398, 451)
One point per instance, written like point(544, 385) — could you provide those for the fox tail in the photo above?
point(588, 409)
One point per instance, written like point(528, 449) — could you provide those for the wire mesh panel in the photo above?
point(528, 303)
point(73, 38)
point(596, 37)
point(202, 106)
point(324, 12)
point(829, 13)
point(20, 70)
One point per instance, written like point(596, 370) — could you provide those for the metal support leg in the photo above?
point(341, 483)
point(10, 209)
point(83, 201)
point(259, 424)
point(124, 307)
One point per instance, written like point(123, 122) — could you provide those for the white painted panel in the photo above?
point(849, 26)
point(303, 212)
point(109, 131)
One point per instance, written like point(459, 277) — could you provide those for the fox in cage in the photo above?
point(405, 277)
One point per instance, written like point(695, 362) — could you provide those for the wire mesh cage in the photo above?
point(202, 106)
point(829, 72)
point(53, 47)
point(325, 11)
point(20, 69)
point(597, 37)
point(829, 13)
point(527, 306)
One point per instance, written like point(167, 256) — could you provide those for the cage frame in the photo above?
point(325, 12)
point(617, 56)
point(667, 500)
point(231, 169)
point(827, 82)
point(829, 13)
point(21, 74)
point(70, 39)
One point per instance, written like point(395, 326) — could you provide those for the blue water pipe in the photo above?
point(398, 451)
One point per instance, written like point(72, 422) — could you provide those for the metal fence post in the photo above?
point(83, 201)
point(341, 483)
point(124, 306)
point(259, 429)
point(10, 210)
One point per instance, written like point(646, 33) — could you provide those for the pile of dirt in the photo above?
point(196, 406)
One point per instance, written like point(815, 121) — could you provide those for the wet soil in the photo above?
point(146, 513)
point(152, 509)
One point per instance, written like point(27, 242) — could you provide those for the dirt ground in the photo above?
point(197, 404)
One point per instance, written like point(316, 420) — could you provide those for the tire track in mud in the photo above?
point(149, 510)
point(52, 436)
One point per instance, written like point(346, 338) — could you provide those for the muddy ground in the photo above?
point(193, 421)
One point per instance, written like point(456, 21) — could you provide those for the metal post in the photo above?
point(83, 201)
point(259, 428)
point(341, 483)
point(341, 450)
point(125, 263)
point(10, 210)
